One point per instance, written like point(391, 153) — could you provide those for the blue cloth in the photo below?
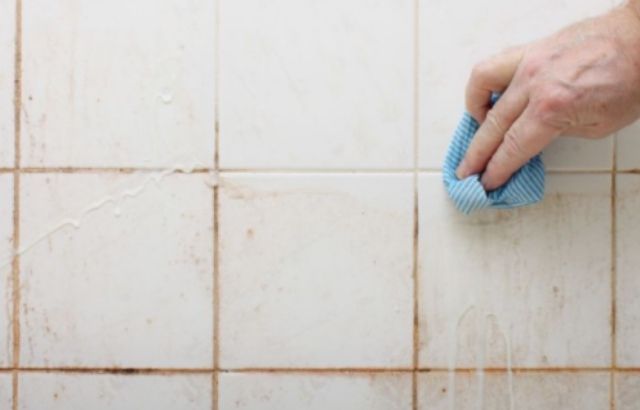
point(525, 187)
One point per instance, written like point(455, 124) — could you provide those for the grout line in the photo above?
point(525, 370)
point(612, 390)
point(216, 291)
point(123, 370)
point(416, 204)
point(215, 389)
point(311, 370)
point(15, 266)
point(614, 283)
point(215, 394)
point(98, 170)
point(199, 170)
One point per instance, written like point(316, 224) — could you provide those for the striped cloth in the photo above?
point(525, 187)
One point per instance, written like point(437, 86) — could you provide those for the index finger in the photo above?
point(492, 75)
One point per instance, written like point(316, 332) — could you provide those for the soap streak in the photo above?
point(115, 199)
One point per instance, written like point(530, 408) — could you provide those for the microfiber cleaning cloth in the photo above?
point(525, 187)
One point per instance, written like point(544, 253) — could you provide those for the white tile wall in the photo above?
point(316, 270)
point(55, 391)
point(516, 287)
point(321, 271)
point(140, 269)
point(7, 76)
point(567, 391)
point(307, 84)
point(118, 83)
point(315, 392)
point(454, 35)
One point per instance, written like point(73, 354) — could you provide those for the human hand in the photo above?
point(583, 80)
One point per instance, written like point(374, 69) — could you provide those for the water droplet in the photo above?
point(166, 97)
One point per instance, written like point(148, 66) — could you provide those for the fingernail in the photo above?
point(462, 172)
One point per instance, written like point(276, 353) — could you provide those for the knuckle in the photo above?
point(551, 102)
point(495, 121)
point(531, 68)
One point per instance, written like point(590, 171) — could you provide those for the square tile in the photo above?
point(118, 83)
point(116, 270)
point(572, 153)
point(315, 392)
point(56, 391)
point(628, 270)
point(455, 35)
point(529, 287)
point(7, 70)
point(6, 260)
point(6, 390)
point(316, 84)
point(627, 391)
point(316, 270)
point(628, 147)
point(501, 391)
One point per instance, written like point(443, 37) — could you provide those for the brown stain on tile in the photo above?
point(16, 204)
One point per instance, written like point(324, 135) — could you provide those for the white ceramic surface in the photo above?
point(316, 270)
point(315, 392)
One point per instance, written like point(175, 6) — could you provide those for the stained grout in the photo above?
point(15, 266)
point(416, 205)
point(312, 370)
point(329, 171)
point(107, 170)
point(215, 389)
point(614, 193)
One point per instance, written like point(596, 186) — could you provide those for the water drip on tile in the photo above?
point(166, 97)
point(113, 199)
point(482, 327)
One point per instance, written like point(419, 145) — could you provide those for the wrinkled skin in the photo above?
point(582, 81)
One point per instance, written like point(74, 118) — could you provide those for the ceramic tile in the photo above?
point(499, 391)
point(134, 252)
point(526, 287)
point(627, 390)
point(6, 252)
point(628, 147)
point(6, 391)
point(455, 35)
point(627, 266)
point(316, 84)
point(55, 391)
point(102, 89)
point(572, 153)
point(315, 392)
point(7, 52)
point(316, 270)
